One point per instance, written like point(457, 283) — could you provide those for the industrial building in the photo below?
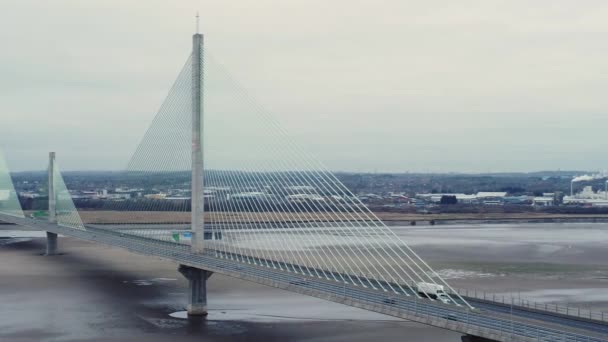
point(587, 197)
point(487, 198)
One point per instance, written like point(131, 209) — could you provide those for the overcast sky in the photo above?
point(469, 86)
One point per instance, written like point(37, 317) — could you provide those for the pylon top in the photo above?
point(197, 22)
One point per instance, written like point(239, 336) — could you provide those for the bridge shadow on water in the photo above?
point(119, 289)
point(94, 292)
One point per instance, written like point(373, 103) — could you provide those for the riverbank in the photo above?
point(397, 219)
point(389, 218)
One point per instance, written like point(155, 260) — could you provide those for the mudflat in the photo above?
point(97, 293)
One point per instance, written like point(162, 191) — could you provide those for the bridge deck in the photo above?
point(493, 321)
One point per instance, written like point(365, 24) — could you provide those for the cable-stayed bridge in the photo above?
point(218, 186)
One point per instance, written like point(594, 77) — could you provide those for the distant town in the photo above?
point(560, 192)
point(542, 189)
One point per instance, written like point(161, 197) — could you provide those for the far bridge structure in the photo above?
point(262, 209)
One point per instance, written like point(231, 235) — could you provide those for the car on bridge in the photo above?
point(300, 282)
point(433, 291)
point(389, 301)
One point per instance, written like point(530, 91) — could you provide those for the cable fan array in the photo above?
point(9, 201)
point(268, 202)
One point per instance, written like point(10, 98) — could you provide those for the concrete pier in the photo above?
point(51, 244)
point(471, 338)
point(197, 279)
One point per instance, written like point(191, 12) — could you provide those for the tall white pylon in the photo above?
point(197, 198)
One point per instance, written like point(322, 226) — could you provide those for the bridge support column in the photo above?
point(197, 196)
point(471, 338)
point(51, 244)
point(51, 238)
point(197, 278)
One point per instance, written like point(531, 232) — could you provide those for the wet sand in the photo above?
point(97, 293)
point(562, 263)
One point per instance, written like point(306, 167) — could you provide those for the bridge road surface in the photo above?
point(489, 321)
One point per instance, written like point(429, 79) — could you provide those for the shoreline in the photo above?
point(389, 218)
point(497, 221)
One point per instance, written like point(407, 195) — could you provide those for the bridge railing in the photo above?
point(464, 320)
point(506, 300)
point(517, 301)
point(510, 300)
